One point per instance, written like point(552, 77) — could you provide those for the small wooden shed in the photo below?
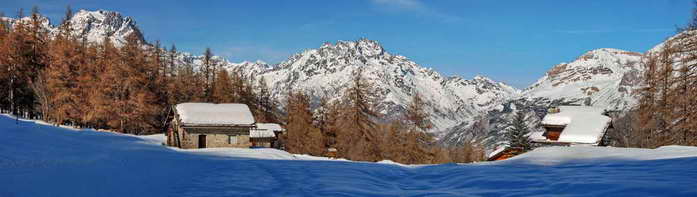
point(265, 134)
point(207, 125)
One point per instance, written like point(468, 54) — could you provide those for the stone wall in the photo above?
point(190, 140)
point(220, 140)
point(216, 137)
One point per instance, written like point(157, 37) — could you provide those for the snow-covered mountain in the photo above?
point(96, 25)
point(93, 26)
point(43, 22)
point(605, 76)
point(328, 70)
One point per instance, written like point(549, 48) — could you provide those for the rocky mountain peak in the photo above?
point(597, 74)
point(362, 47)
point(95, 25)
point(43, 20)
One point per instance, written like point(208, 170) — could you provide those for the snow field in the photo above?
point(41, 160)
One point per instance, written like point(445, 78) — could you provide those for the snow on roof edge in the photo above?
point(210, 114)
point(583, 124)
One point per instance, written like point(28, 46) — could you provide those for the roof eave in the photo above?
point(217, 125)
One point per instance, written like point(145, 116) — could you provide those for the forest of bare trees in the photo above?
point(66, 80)
point(667, 110)
point(667, 106)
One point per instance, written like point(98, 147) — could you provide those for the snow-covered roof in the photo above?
point(258, 133)
point(583, 124)
point(209, 114)
point(269, 126)
point(497, 151)
point(264, 130)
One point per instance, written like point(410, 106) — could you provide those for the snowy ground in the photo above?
point(41, 160)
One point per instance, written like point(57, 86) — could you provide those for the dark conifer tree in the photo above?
point(517, 132)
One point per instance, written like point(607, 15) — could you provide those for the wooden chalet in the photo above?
point(566, 126)
point(574, 125)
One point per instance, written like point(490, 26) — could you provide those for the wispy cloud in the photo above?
point(255, 52)
point(417, 7)
point(600, 31)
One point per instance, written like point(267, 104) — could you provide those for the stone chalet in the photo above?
point(208, 125)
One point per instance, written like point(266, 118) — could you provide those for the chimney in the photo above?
point(553, 110)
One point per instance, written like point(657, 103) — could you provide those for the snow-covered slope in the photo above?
point(42, 160)
point(561, 154)
point(606, 76)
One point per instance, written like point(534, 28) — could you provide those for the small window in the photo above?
point(233, 139)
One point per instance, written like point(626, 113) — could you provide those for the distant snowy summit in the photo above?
point(605, 76)
point(325, 72)
point(93, 26)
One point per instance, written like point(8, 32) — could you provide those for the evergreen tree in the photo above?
point(518, 132)
point(208, 69)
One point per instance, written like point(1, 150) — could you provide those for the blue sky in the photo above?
point(510, 41)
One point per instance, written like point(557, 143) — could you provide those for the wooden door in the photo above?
point(201, 141)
